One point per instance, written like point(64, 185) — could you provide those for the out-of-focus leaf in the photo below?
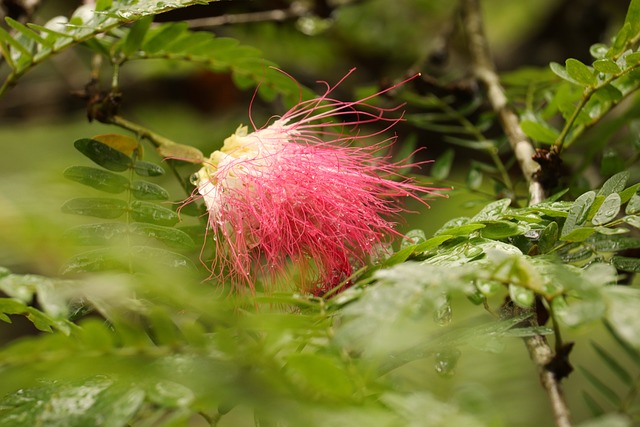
point(96, 207)
point(620, 371)
point(185, 153)
point(170, 394)
point(144, 190)
point(172, 237)
point(539, 131)
point(97, 234)
point(103, 155)
point(320, 374)
point(521, 296)
point(622, 313)
point(97, 178)
point(149, 212)
point(603, 388)
point(442, 165)
point(616, 243)
point(492, 211)
point(136, 35)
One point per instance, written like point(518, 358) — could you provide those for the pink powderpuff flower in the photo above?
point(298, 191)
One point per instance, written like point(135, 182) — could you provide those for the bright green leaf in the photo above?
point(539, 131)
point(578, 234)
point(578, 212)
point(580, 72)
point(137, 32)
point(142, 168)
point(607, 66)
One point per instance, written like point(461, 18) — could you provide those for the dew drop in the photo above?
point(443, 314)
point(446, 361)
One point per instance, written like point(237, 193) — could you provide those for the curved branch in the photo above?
point(484, 71)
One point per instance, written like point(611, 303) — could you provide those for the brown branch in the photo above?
point(485, 71)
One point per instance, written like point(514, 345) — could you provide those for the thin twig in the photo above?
point(275, 15)
point(484, 70)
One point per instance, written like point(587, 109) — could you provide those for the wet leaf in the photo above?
point(172, 237)
point(103, 155)
point(97, 178)
point(578, 212)
point(548, 237)
point(633, 207)
point(170, 394)
point(144, 190)
point(492, 211)
point(608, 211)
point(142, 168)
point(633, 220)
point(96, 207)
point(615, 184)
point(616, 243)
point(630, 265)
point(149, 212)
point(578, 234)
point(97, 234)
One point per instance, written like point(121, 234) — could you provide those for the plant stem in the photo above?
point(484, 70)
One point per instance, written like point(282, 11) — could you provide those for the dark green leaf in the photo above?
point(633, 17)
point(95, 260)
point(630, 265)
point(103, 155)
point(430, 244)
point(96, 207)
point(612, 162)
point(143, 168)
point(608, 211)
point(144, 190)
point(442, 165)
point(148, 212)
point(548, 238)
point(97, 178)
point(539, 131)
point(320, 373)
point(607, 66)
point(578, 212)
point(137, 32)
point(613, 364)
point(616, 243)
point(615, 184)
point(170, 236)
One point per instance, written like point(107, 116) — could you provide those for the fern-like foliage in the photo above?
point(32, 44)
point(623, 397)
point(142, 221)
